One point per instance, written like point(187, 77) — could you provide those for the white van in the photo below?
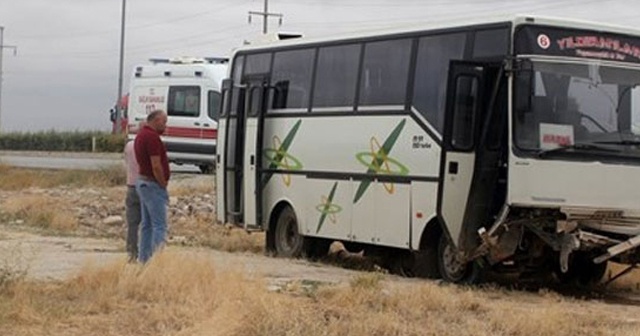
point(188, 89)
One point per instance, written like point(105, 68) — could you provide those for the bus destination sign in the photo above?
point(551, 41)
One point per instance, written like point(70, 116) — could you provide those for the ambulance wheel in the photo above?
point(453, 269)
point(206, 169)
point(288, 241)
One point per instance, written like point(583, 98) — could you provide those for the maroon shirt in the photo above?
point(148, 144)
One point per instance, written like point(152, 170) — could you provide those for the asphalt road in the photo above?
point(68, 160)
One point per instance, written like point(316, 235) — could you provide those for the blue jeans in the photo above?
point(153, 208)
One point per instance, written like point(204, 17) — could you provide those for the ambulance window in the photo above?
point(214, 105)
point(184, 101)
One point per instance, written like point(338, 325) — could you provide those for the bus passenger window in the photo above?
point(336, 76)
point(385, 73)
point(432, 69)
point(291, 79)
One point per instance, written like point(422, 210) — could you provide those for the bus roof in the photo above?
point(514, 20)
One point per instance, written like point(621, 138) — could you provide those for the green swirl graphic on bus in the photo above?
point(278, 156)
point(327, 208)
point(378, 162)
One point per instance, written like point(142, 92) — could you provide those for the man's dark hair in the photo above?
point(153, 115)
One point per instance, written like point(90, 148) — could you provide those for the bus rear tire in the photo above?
point(454, 270)
point(289, 243)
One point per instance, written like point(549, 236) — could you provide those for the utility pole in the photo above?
point(2, 47)
point(265, 16)
point(119, 115)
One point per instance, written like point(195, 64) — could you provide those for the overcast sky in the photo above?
point(65, 74)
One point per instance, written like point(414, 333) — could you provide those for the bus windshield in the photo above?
point(563, 104)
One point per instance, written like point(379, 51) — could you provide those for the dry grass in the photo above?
point(41, 211)
point(12, 178)
point(12, 268)
point(201, 231)
point(190, 189)
point(184, 294)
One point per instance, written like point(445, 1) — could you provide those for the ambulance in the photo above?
point(188, 89)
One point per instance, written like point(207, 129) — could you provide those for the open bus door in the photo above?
point(229, 158)
point(238, 162)
point(256, 88)
point(474, 148)
point(221, 154)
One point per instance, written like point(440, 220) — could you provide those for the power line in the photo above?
point(365, 24)
point(135, 27)
point(447, 16)
point(140, 47)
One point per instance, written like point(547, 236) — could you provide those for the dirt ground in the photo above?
point(57, 258)
point(47, 257)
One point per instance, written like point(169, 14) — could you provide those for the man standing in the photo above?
point(151, 155)
point(132, 201)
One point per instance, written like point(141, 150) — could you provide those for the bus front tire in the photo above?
point(453, 269)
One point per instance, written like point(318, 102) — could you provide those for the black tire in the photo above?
point(582, 271)
point(207, 169)
point(454, 271)
point(288, 241)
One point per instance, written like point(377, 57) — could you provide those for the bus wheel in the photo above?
point(454, 270)
point(289, 243)
point(206, 169)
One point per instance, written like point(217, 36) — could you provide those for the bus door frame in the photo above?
point(255, 110)
point(469, 171)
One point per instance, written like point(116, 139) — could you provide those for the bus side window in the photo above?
point(291, 79)
point(432, 69)
point(385, 71)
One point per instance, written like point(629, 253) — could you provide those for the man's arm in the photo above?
point(158, 172)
